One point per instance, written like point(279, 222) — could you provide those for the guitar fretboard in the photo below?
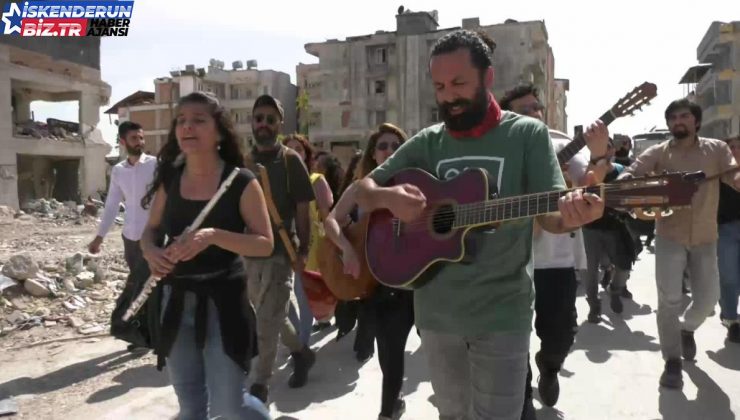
point(579, 142)
point(504, 209)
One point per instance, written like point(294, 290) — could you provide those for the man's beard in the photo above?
point(680, 132)
point(134, 150)
point(474, 111)
point(265, 137)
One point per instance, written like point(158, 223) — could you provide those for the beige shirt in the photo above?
point(696, 224)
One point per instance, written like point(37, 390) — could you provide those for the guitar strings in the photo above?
point(528, 202)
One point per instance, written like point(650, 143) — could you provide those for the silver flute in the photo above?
point(152, 281)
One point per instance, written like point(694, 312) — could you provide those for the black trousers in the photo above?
point(555, 317)
point(394, 317)
point(131, 253)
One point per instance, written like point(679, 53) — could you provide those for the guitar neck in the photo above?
point(579, 142)
point(510, 208)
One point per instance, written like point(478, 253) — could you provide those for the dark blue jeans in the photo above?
point(728, 259)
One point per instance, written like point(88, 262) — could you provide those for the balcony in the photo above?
point(706, 50)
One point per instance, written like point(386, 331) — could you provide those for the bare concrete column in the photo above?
point(89, 109)
point(22, 108)
point(8, 161)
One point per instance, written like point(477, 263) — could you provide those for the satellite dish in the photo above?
point(401, 9)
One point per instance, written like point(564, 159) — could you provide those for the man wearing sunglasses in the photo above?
point(270, 280)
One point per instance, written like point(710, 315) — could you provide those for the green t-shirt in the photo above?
point(493, 291)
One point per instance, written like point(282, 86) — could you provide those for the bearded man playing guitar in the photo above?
point(475, 317)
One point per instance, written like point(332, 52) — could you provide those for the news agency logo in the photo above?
point(67, 18)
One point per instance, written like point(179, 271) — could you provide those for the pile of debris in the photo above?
point(53, 129)
point(78, 291)
point(54, 209)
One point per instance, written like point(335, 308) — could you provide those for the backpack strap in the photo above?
point(277, 221)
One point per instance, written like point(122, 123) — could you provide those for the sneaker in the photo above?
point(672, 376)
point(547, 383)
point(303, 361)
point(363, 356)
point(615, 302)
point(398, 409)
point(260, 392)
point(733, 332)
point(688, 345)
point(320, 326)
point(133, 348)
point(529, 413)
point(594, 313)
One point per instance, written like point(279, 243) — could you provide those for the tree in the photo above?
point(302, 105)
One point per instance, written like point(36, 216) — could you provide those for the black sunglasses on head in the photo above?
point(384, 146)
point(270, 118)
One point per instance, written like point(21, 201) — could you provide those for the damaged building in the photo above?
point(363, 81)
point(53, 158)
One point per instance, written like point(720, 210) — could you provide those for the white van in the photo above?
point(640, 142)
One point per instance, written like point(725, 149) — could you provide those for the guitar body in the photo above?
point(344, 286)
point(398, 254)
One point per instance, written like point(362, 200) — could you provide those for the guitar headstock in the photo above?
point(652, 192)
point(633, 101)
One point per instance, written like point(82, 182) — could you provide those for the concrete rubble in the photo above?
point(53, 129)
point(48, 283)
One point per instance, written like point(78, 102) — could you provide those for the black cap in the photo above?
point(267, 100)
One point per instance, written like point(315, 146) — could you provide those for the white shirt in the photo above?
point(128, 184)
point(563, 250)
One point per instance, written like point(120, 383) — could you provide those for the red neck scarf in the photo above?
point(490, 121)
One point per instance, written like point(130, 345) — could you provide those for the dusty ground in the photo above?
point(611, 373)
point(49, 242)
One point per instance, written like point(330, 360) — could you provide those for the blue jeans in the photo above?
point(207, 382)
point(728, 259)
point(303, 320)
point(478, 377)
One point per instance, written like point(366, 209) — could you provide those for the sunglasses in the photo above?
point(270, 119)
point(384, 146)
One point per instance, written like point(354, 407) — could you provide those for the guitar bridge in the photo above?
point(396, 227)
point(396, 234)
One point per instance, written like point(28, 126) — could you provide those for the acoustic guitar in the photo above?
point(344, 286)
point(399, 253)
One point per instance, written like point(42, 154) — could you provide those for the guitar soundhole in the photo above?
point(444, 219)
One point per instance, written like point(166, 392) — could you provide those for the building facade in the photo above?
point(363, 81)
point(715, 82)
point(237, 89)
point(53, 158)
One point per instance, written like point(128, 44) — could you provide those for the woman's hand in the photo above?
point(351, 262)
point(160, 264)
point(187, 246)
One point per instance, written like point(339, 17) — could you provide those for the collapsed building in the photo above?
point(64, 160)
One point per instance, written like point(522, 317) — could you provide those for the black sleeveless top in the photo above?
point(216, 274)
point(180, 213)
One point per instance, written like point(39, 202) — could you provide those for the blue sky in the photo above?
point(604, 48)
